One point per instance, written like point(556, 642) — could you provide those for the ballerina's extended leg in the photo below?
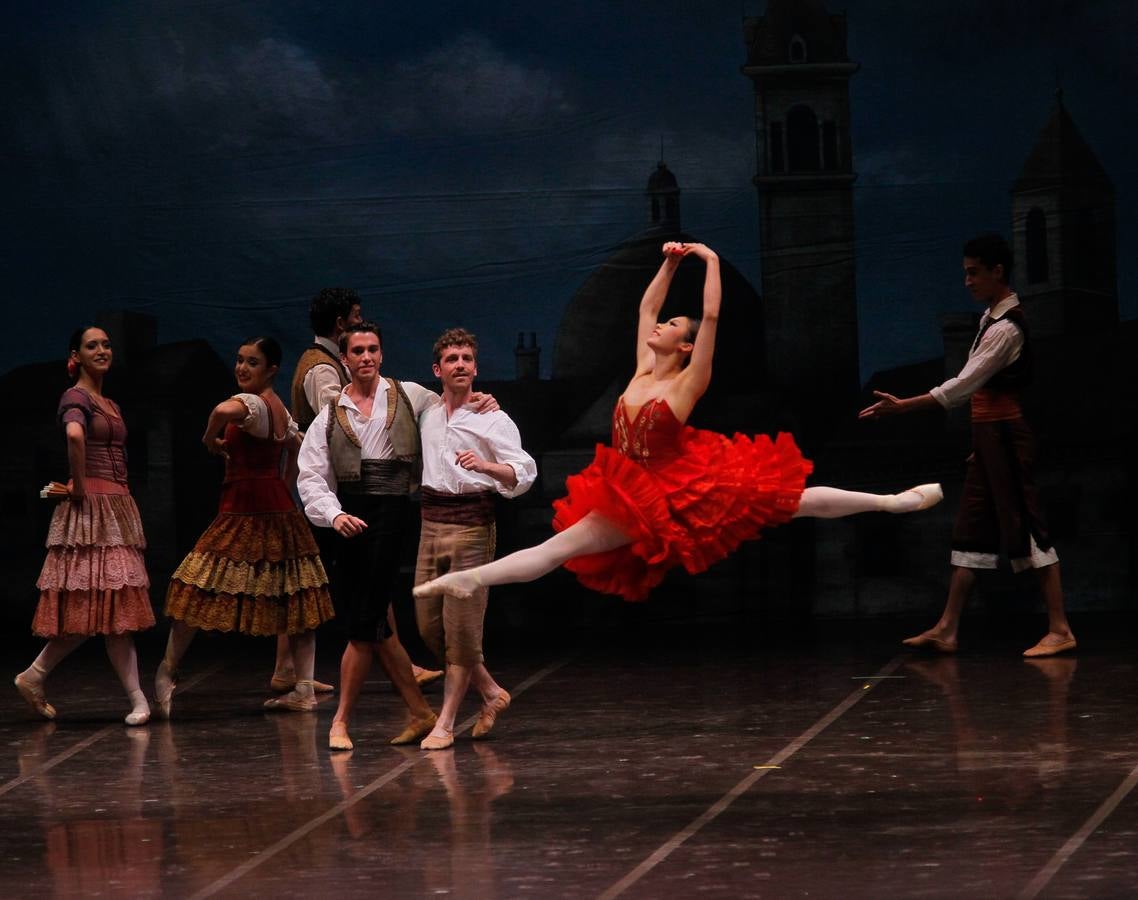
point(834, 503)
point(593, 534)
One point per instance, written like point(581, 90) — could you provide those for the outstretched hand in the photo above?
point(886, 405)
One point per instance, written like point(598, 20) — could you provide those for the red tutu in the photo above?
point(685, 497)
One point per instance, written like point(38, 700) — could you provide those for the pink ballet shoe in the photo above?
point(489, 715)
point(437, 742)
point(926, 641)
point(460, 585)
point(1045, 648)
point(423, 677)
point(165, 680)
point(416, 729)
point(282, 683)
point(930, 494)
point(33, 695)
point(293, 701)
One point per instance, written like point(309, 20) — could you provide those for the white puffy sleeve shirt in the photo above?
point(316, 481)
point(492, 436)
point(1000, 346)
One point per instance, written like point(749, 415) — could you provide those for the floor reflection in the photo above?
point(1007, 760)
point(101, 839)
point(456, 849)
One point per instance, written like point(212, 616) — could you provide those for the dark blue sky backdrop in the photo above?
point(214, 163)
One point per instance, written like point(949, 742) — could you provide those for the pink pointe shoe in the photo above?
point(33, 695)
point(460, 585)
point(930, 494)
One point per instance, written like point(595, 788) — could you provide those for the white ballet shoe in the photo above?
point(140, 710)
point(137, 717)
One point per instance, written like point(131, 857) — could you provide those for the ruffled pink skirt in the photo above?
point(94, 578)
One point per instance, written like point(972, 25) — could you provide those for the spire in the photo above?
point(1060, 155)
point(663, 194)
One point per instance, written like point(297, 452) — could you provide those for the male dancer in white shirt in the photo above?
point(468, 459)
point(358, 464)
point(317, 381)
point(1000, 504)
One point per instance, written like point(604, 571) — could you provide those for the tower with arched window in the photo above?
point(797, 61)
point(1064, 233)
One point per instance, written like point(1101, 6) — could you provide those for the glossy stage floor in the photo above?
point(672, 760)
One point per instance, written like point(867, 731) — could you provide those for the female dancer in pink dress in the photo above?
point(256, 568)
point(94, 579)
point(666, 494)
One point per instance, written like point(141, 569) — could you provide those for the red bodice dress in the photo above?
point(256, 568)
point(685, 496)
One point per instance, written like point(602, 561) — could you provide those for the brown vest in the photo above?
point(316, 355)
point(344, 446)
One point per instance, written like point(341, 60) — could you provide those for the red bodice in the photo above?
point(253, 481)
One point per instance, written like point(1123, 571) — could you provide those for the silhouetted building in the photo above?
point(1064, 233)
point(797, 60)
point(596, 341)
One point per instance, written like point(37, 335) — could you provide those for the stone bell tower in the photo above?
point(797, 61)
point(1063, 232)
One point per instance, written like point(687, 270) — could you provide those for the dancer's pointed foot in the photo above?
point(415, 730)
point(923, 496)
point(930, 640)
point(301, 699)
point(437, 740)
point(338, 737)
point(489, 714)
point(454, 584)
point(1051, 643)
point(285, 680)
point(165, 680)
point(423, 677)
point(31, 689)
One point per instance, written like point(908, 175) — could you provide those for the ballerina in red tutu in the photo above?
point(665, 494)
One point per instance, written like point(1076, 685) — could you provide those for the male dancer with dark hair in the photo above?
point(1000, 505)
point(320, 375)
